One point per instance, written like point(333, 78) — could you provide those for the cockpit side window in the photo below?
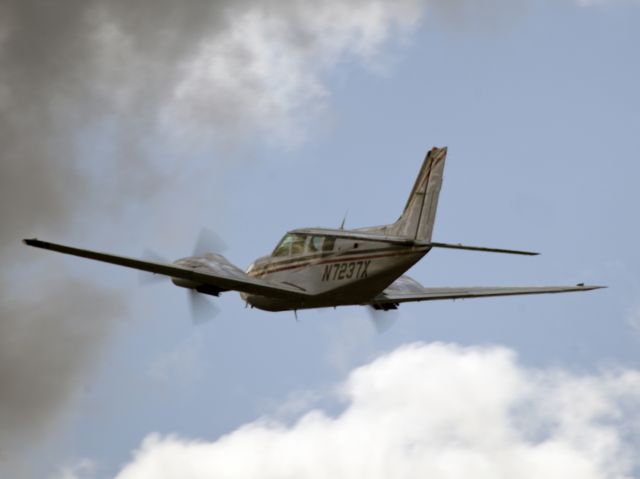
point(328, 244)
point(315, 244)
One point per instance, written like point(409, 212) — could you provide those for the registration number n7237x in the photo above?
point(352, 269)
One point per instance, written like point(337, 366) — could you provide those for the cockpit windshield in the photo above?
point(290, 244)
point(297, 244)
point(294, 244)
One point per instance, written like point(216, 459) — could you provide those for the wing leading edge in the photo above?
point(218, 272)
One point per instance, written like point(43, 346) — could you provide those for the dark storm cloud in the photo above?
point(121, 68)
point(61, 74)
point(46, 346)
point(65, 66)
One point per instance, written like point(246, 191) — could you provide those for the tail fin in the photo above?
point(419, 214)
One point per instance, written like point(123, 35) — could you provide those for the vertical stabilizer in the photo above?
point(419, 213)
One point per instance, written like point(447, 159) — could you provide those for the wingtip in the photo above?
point(34, 242)
point(591, 286)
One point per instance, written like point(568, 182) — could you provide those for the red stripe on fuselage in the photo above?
point(340, 260)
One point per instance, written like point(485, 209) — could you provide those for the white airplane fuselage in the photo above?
point(351, 272)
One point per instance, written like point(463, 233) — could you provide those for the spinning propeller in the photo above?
point(382, 320)
point(201, 308)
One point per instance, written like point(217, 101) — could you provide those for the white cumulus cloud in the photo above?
point(437, 411)
point(80, 469)
point(267, 70)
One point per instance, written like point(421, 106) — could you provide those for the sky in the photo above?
point(132, 125)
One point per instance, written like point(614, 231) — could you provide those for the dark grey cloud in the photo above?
point(49, 339)
point(67, 67)
point(58, 79)
point(91, 82)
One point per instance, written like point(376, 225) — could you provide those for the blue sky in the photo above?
point(539, 106)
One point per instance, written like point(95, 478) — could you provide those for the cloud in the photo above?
point(96, 100)
point(438, 411)
point(93, 92)
point(266, 71)
point(79, 469)
point(46, 346)
point(138, 73)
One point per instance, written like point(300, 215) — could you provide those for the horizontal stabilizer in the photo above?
point(481, 248)
point(360, 235)
point(356, 235)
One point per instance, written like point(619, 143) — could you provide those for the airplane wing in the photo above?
point(216, 272)
point(406, 289)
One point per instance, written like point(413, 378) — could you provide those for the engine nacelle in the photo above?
point(199, 287)
point(185, 283)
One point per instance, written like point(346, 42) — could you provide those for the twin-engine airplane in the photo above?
point(320, 267)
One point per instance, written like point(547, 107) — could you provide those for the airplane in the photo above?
point(324, 267)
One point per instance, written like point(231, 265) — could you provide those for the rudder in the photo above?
point(419, 213)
